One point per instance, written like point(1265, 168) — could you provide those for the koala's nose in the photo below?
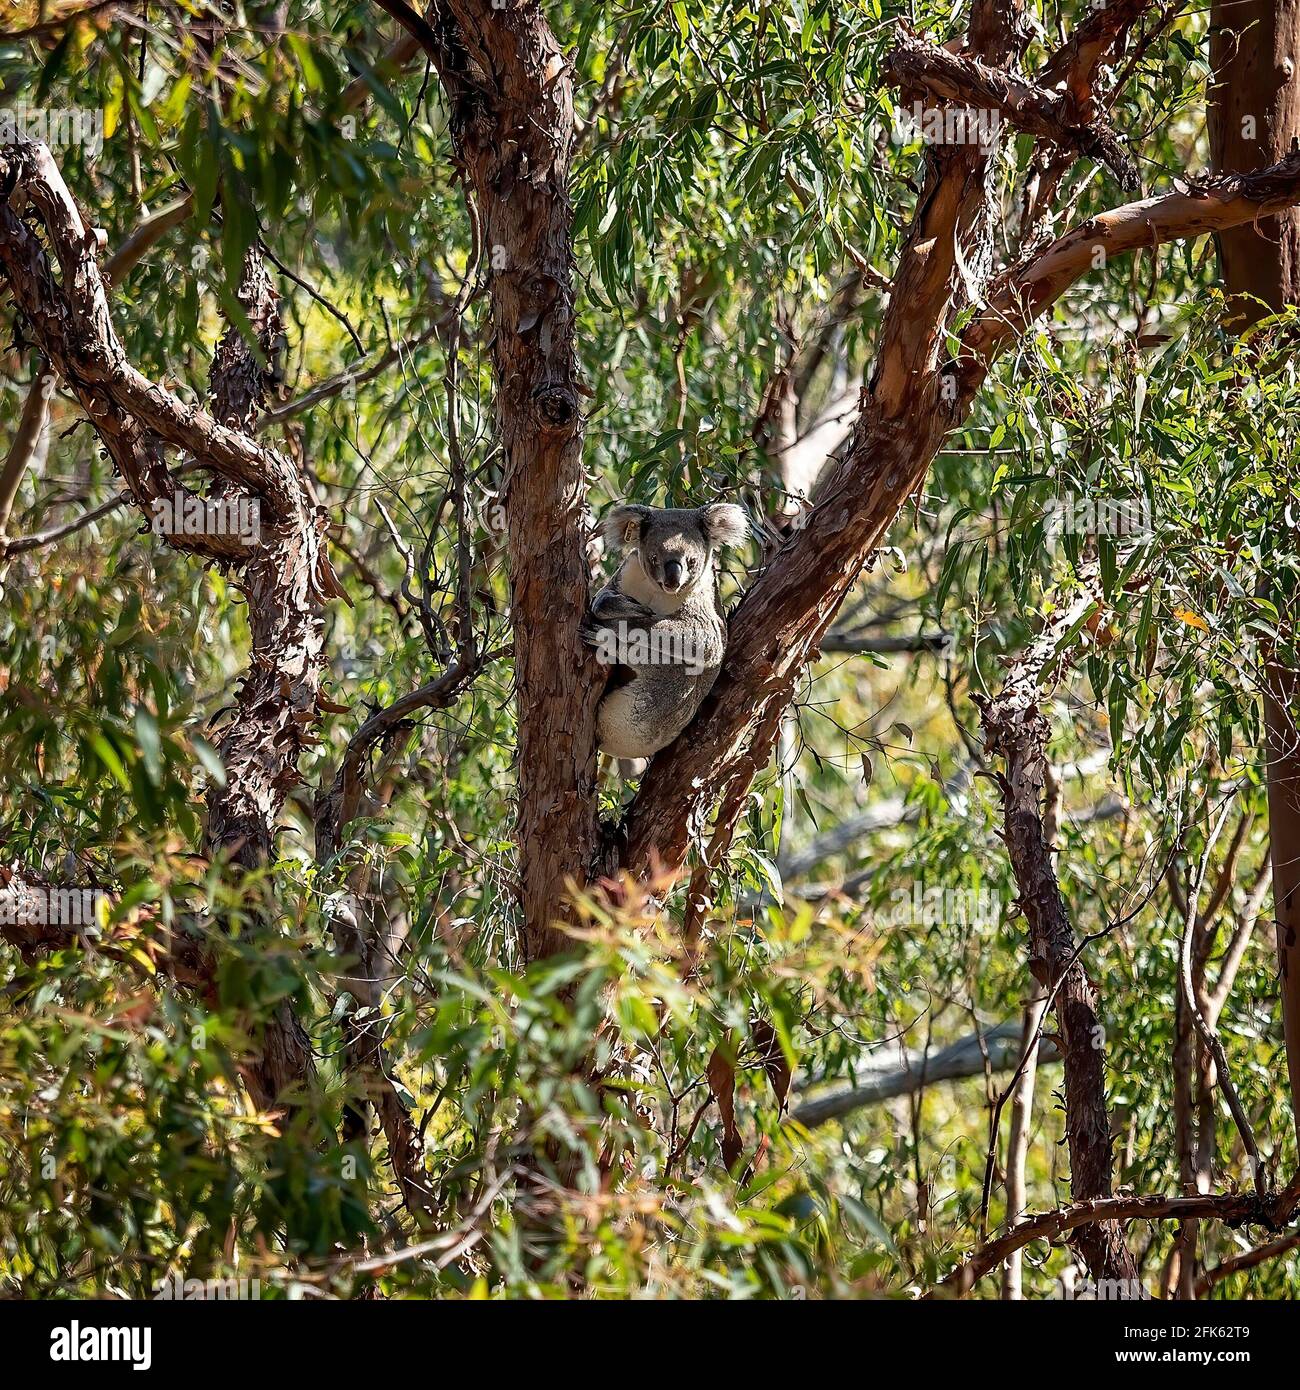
point(672, 574)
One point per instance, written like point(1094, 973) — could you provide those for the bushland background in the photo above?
point(952, 950)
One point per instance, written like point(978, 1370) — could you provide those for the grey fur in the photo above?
point(658, 623)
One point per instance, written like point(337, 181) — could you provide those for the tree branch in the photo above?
point(1095, 38)
point(1208, 1036)
point(336, 808)
point(777, 628)
point(283, 570)
point(1240, 940)
point(1234, 1209)
point(28, 441)
point(131, 414)
point(867, 644)
point(1250, 1259)
point(891, 1075)
point(1207, 205)
point(147, 234)
point(916, 65)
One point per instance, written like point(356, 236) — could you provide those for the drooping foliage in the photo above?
point(742, 185)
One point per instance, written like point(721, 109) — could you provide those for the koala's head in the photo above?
point(675, 546)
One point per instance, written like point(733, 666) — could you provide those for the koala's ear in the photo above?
point(724, 523)
point(622, 526)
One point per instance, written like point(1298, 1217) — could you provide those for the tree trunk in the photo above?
point(1255, 116)
point(276, 706)
point(1016, 730)
point(285, 573)
point(511, 94)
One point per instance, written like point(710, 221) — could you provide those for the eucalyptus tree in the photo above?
point(420, 290)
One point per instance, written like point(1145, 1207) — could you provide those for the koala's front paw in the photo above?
point(615, 607)
point(592, 634)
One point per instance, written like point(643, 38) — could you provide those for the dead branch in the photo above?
point(285, 574)
point(906, 1072)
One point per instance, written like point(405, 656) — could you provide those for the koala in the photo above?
point(658, 624)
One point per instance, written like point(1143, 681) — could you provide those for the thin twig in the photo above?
point(1209, 1036)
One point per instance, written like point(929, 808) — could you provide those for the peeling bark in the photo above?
point(498, 67)
point(277, 701)
point(1016, 730)
point(511, 94)
point(285, 575)
point(1098, 36)
point(777, 627)
point(916, 65)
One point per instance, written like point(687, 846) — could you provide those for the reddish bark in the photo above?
point(511, 93)
point(1015, 730)
point(1255, 118)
